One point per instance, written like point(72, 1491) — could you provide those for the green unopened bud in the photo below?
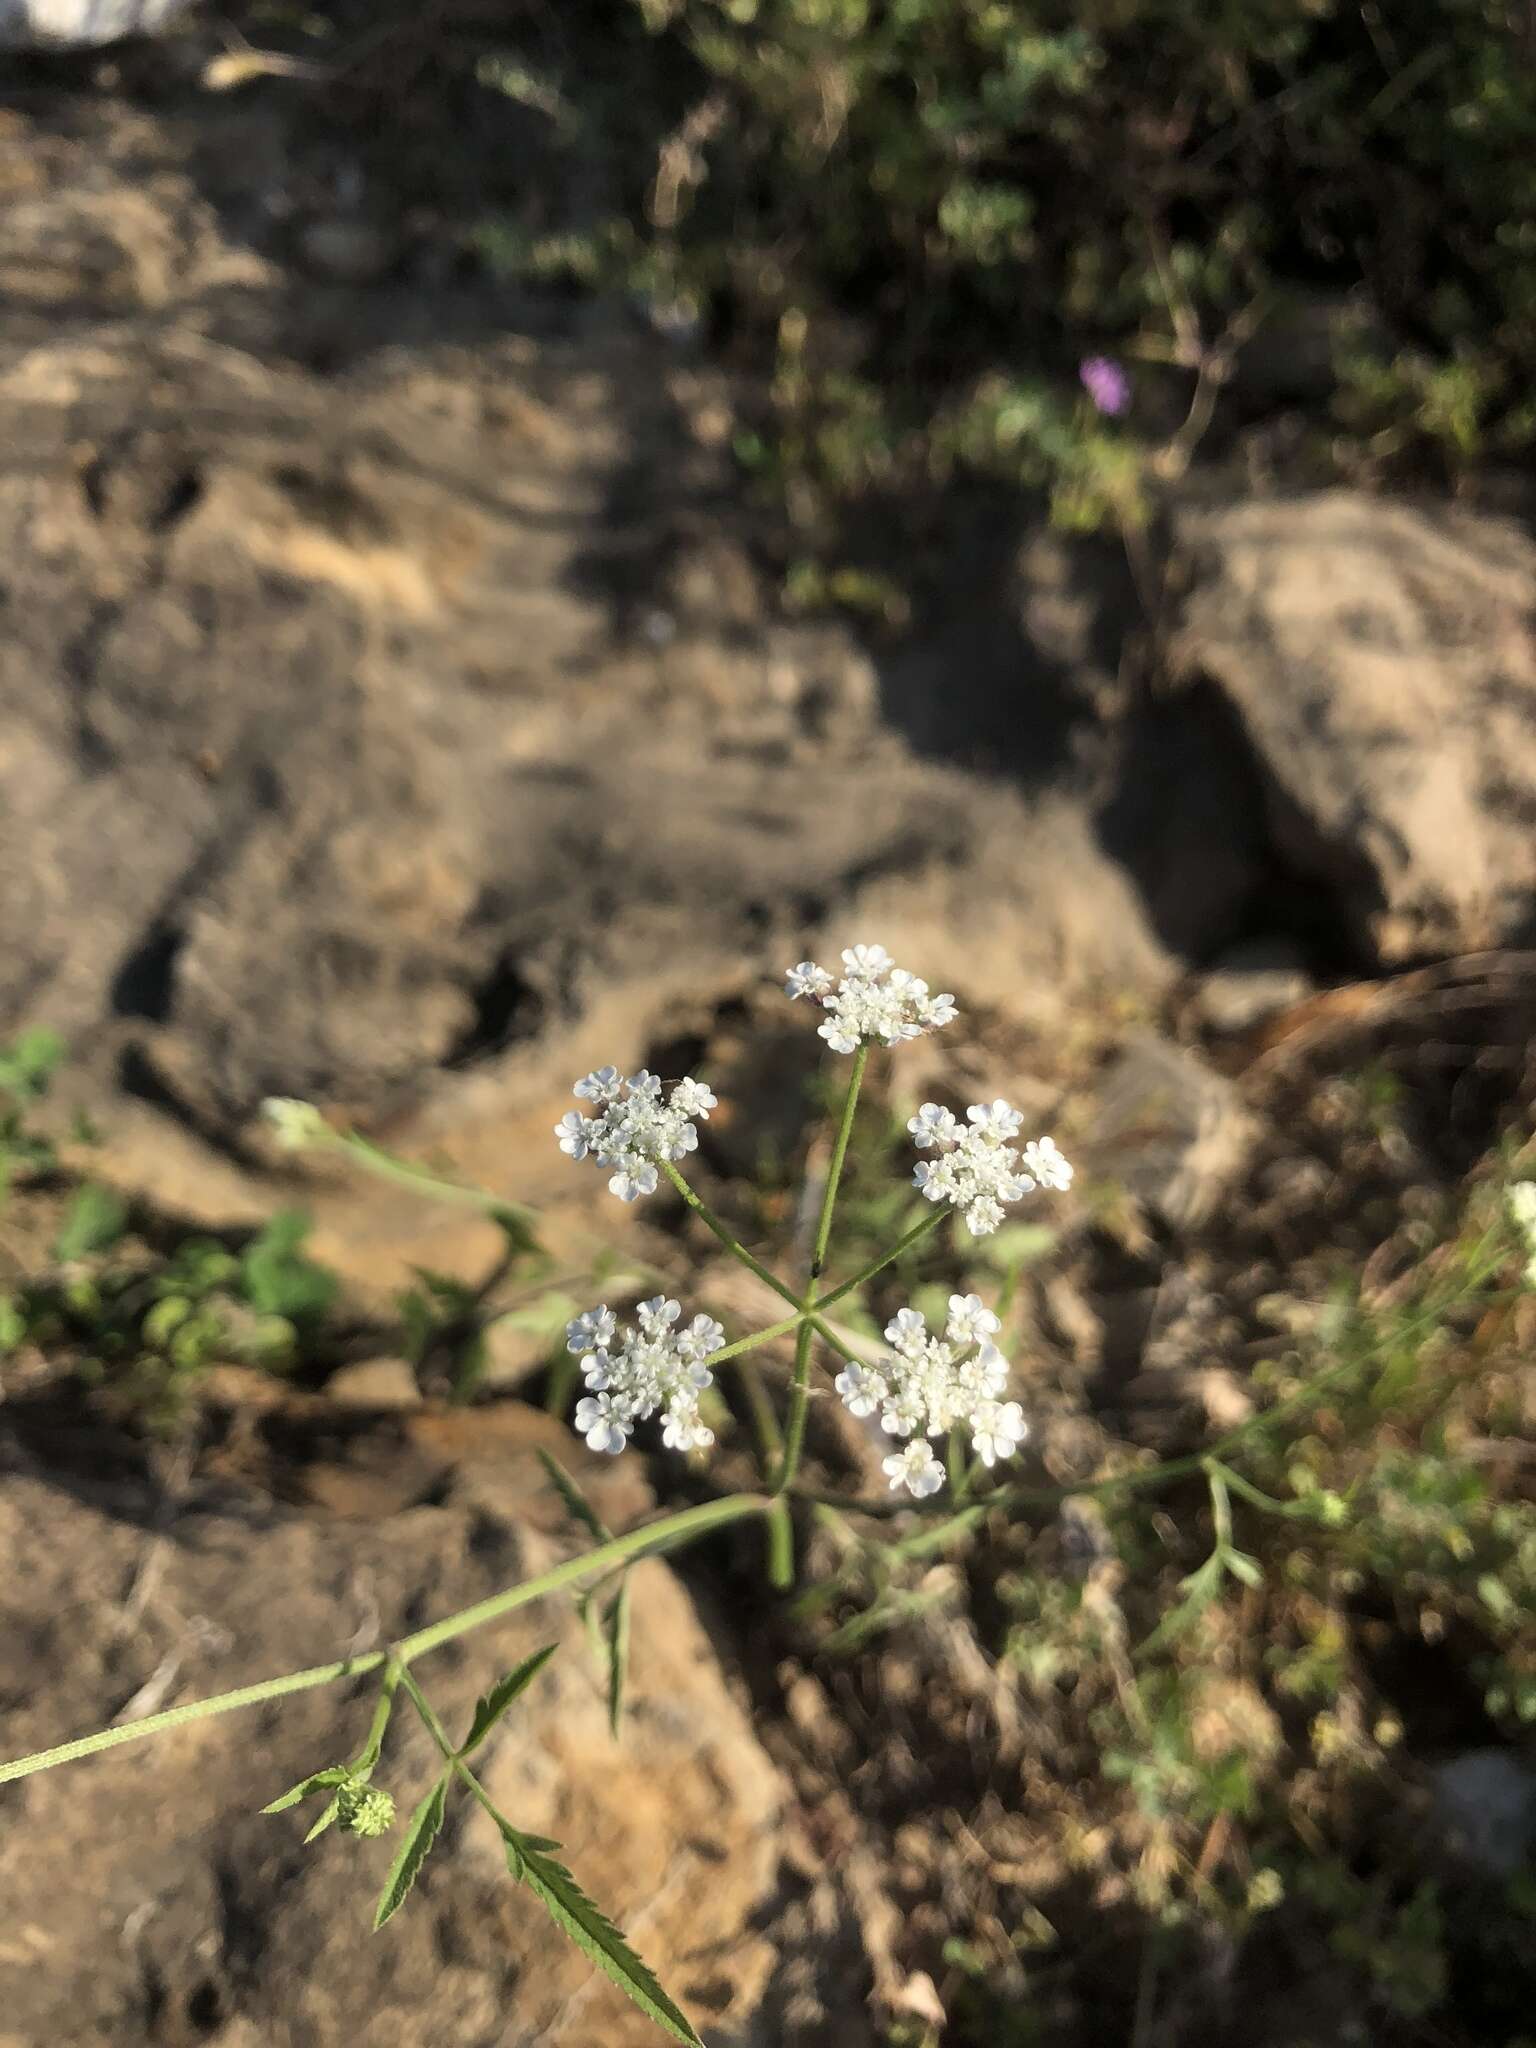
point(294, 1124)
point(364, 1809)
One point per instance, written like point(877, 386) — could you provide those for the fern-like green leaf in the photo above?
point(317, 1781)
point(419, 1837)
point(594, 1934)
point(490, 1708)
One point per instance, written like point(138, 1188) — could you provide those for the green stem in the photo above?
point(767, 1336)
point(835, 1170)
point(799, 1402)
point(440, 1736)
point(919, 1229)
point(674, 1529)
point(733, 1245)
point(385, 1166)
point(781, 1546)
point(800, 1386)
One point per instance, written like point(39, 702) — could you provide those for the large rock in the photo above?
point(144, 1900)
point(383, 693)
point(1380, 664)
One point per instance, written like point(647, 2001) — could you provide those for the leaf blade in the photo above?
point(490, 1707)
point(317, 1781)
point(577, 1506)
point(597, 1937)
point(419, 1837)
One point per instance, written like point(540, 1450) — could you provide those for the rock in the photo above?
point(148, 1882)
point(1251, 983)
point(1169, 1130)
point(421, 810)
point(1485, 1802)
point(82, 24)
point(348, 251)
point(1379, 665)
point(375, 1383)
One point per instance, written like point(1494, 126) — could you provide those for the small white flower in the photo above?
point(634, 1130)
point(808, 980)
point(294, 1124)
point(680, 1434)
point(867, 961)
point(978, 1169)
point(874, 1002)
point(862, 1390)
point(631, 1374)
point(907, 1332)
point(692, 1098)
point(997, 1120)
point(915, 1468)
point(1044, 1165)
point(969, 1321)
point(933, 1125)
point(603, 1086)
point(601, 1421)
point(702, 1337)
point(575, 1134)
point(591, 1331)
point(997, 1430)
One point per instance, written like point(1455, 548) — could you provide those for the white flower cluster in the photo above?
point(978, 1167)
point(931, 1385)
point(1521, 1198)
point(874, 1000)
point(632, 1373)
point(294, 1124)
point(633, 1127)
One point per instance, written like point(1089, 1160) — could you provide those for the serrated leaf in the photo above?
point(490, 1708)
point(96, 1220)
point(419, 1837)
point(328, 1814)
point(317, 1781)
point(577, 1506)
point(594, 1934)
point(618, 1656)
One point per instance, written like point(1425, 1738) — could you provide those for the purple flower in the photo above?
point(1106, 384)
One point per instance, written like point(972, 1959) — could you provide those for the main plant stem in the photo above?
point(673, 1529)
point(800, 1386)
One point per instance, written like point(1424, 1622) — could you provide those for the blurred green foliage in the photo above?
point(921, 215)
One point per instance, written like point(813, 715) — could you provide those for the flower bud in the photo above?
point(364, 1809)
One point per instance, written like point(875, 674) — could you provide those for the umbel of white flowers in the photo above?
point(875, 999)
point(977, 1167)
point(929, 1386)
point(633, 1128)
point(630, 1374)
